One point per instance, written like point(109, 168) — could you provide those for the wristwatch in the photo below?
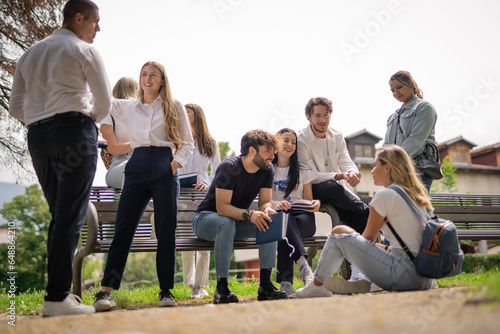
point(245, 215)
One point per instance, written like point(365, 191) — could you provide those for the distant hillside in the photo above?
point(7, 192)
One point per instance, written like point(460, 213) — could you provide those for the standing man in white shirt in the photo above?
point(324, 150)
point(60, 90)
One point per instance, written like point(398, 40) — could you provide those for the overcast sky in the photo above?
point(255, 63)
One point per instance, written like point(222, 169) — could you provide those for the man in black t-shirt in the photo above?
point(224, 216)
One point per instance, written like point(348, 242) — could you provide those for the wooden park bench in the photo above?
point(98, 231)
point(477, 218)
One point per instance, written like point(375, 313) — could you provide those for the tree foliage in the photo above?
point(448, 184)
point(22, 24)
point(224, 150)
point(31, 215)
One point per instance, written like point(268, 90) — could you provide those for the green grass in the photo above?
point(486, 284)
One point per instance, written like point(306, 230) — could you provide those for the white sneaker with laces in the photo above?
point(311, 290)
point(71, 305)
point(287, 288)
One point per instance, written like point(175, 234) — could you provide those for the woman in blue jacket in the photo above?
point(411, 126)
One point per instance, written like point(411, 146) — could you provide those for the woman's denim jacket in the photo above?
point(416, 126)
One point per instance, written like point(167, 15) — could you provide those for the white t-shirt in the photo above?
point(403, 219)
point(280, 183)
point(121, 132)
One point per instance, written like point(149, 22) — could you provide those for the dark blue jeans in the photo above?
point(300, 225)
point(352, 211)
point(64, 154)
point(148, 174)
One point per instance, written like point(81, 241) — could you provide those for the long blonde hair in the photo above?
point(170, 111)
point(125, 87)
point(404, 174)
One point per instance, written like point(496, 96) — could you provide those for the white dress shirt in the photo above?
point(61, 73)
point(145, 126)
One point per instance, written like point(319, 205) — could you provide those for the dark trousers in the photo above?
point(64, 153)
point(300, 225)
point(427, 181)
point(352, 211)
point(148, 174)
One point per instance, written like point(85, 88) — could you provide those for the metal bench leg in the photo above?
point(482, 247)
point(91, 221)
point(311, 253)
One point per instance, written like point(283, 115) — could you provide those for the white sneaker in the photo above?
point(434, 284)
point(312, 290)
point(307, 274)
point(197, 292)
point(287, 288)
point(71, 305)
point(345, 287)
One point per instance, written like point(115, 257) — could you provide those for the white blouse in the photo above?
point(199, 163)
point(145, 126)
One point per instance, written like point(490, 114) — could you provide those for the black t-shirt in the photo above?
point(231, 175)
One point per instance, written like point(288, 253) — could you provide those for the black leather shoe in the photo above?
point(269, 292)
point(223, 295)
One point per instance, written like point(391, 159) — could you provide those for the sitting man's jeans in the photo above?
point(208, 225)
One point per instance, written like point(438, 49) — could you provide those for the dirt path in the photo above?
point(434, 311)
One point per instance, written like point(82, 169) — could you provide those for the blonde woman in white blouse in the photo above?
point(115, 132)
point(161, 138)
point(206, 152)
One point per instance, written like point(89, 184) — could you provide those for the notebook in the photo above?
point(301, 205)
point(187, 180)
point(277, 229)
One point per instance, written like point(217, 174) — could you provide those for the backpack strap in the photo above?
point(401, 242)
point(408, 201)
point(412, 205)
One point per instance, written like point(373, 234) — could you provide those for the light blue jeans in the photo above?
point(208, 225)
point(391, 270)
point(116, 172)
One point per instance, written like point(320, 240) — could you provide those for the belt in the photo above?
point(55, 117)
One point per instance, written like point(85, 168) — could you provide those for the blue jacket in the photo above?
point(417, 121)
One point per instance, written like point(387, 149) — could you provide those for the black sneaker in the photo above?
point(223, 295)
point(166, 299)
point(269, 292)
point(104, 301)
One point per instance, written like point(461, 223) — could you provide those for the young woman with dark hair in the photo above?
point(206, 152)
point(292, 182)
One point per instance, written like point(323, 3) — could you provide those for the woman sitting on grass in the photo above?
point(387, 266)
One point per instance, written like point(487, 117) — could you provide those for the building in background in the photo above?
point(477, 170)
